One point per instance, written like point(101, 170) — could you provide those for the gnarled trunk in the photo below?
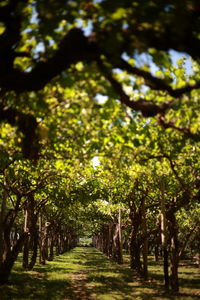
point(164, 237)
point(2, 217)
point(145, 240)
point(11, 256)
point(135, 250)
point(30, 225)
point(33, 258)
point(117, 241)
point(136, 219)
point(174, 255)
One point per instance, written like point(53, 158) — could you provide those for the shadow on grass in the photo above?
point(25, 286)
point(51, 281)
point(110, 278)
point(85, 274)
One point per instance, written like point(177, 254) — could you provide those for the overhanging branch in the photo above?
point(186, 131)
point(157, 83)
point(73, 48)
point(27, 124)
point(148, 109)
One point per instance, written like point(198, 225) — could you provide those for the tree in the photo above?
point(41, 43)
point(58, 61)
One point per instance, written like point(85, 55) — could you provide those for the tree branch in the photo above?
point(148, 109)
point(27, 124)
point(188, 236)
point(157, 83)
point(185, 131)
point(73, 48)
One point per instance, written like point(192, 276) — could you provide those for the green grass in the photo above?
point(84, 273)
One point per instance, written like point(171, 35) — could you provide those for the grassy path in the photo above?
point(85, 274)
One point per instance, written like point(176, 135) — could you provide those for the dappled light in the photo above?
point(84, 273)
point(99, 149)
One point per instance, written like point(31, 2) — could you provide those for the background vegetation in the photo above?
point(99, 132)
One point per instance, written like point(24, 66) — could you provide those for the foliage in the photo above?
point(51, 50)
point(83, 81)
